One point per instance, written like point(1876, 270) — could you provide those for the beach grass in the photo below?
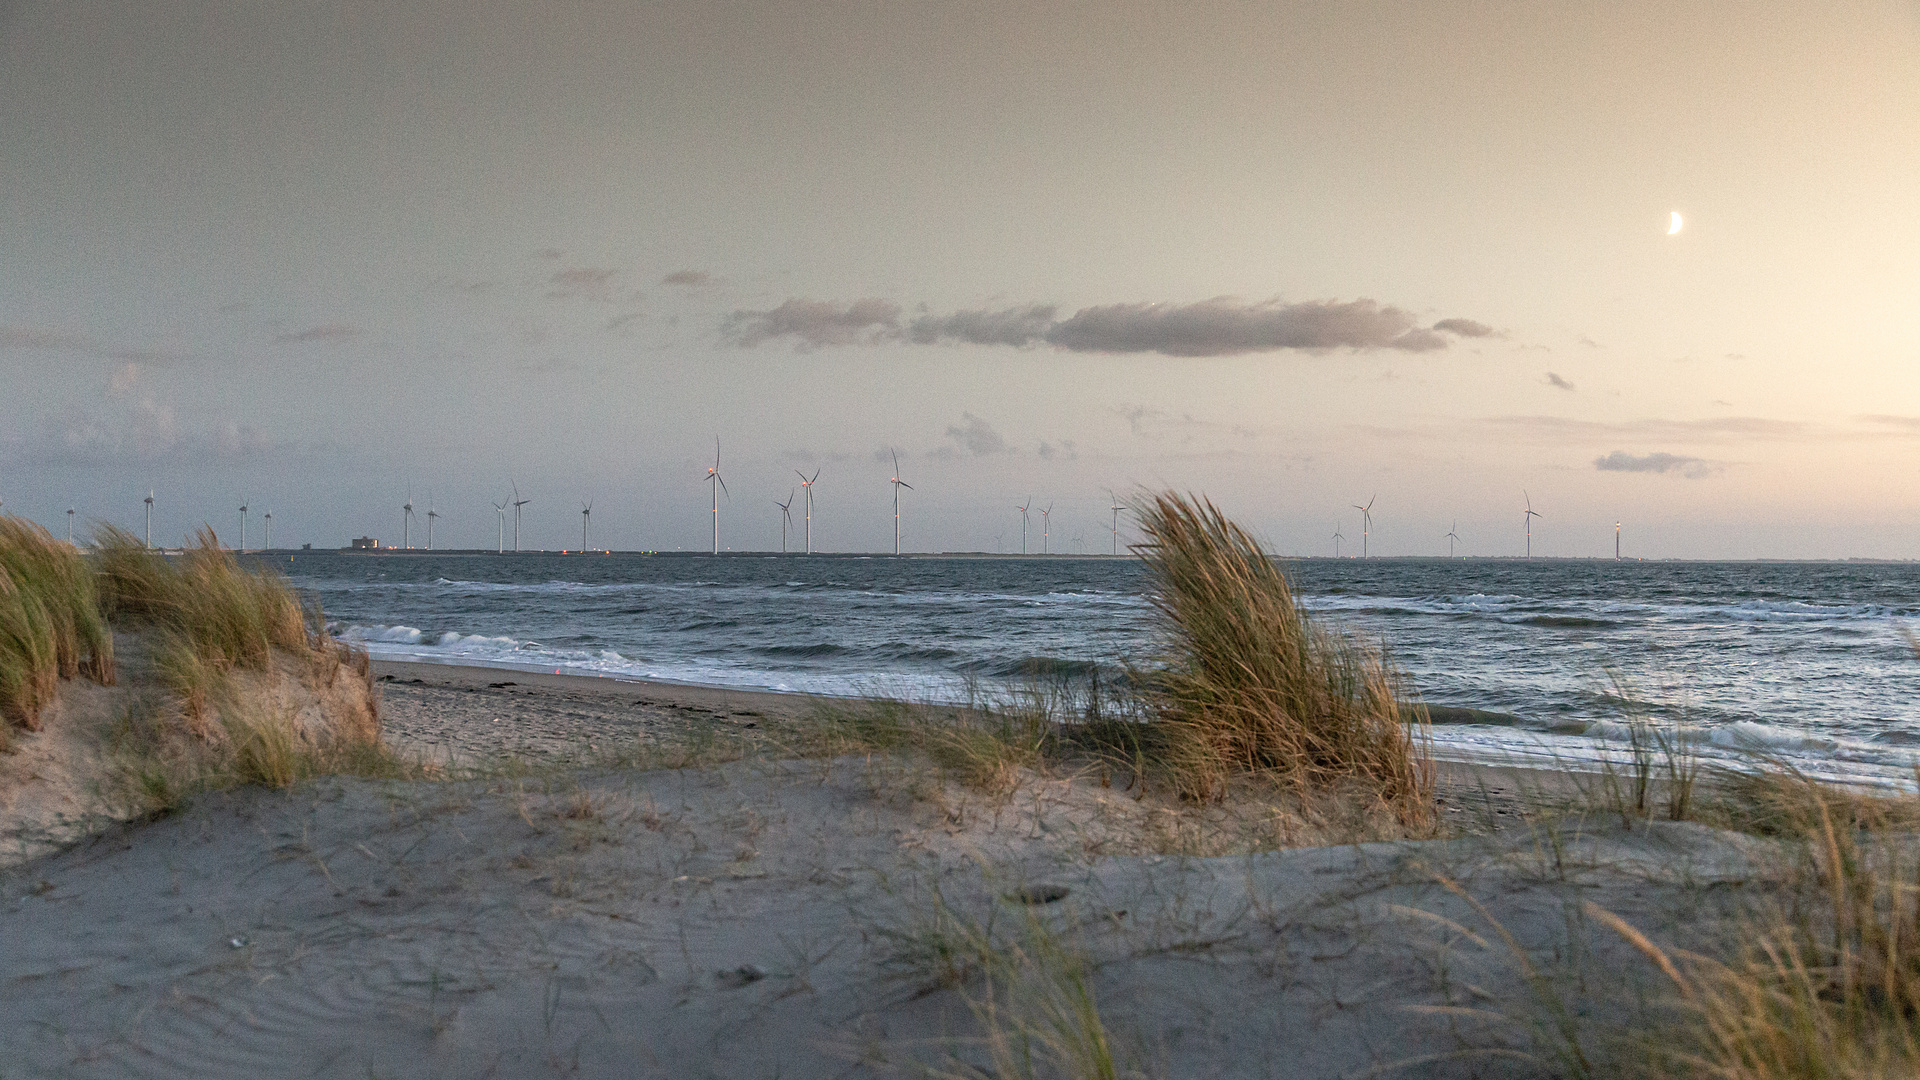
point(1249, 683)
point(224, 641)
point(51, 627)
point(1821, 977)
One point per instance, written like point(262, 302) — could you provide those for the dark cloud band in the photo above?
point(1219, 327)
point(1692, 468)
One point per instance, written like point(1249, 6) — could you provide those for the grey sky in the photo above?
point(1290, 255)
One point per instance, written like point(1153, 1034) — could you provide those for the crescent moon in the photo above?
point(1674, 227)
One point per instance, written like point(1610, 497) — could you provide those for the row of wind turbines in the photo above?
point(804, 492)
point(1452, 536)
point(717, 485)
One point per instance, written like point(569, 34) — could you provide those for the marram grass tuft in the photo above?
point(1248, 683)
point(50, 622)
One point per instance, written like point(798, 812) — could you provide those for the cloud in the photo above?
point(1905, 423)
point(1692, 468)
point(124, 378)
point(1714, 430)
point(1464, 327)
point(1556, 381)
point(1066, 449)
point(1225, 327)
point(976, 436)
point(581, 283)
point(692, 279)
point(26, 337)
point(1013, 326)
point(817, 322)
point(327, 332)
point(128, 423)
point(1218, 327)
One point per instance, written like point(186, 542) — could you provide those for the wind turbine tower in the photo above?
point(70, 525)
point(267, 544)
point(1046, 529)
point(1453, 534)
point(586, 517)
point(406, 522)
point(717, 485)
point(518, 502)
point(243, 525)
point(1616, 540)
point(806, 485)
point(149, 519)
point(1337, 537)
point(1023, 523)
point(786, 519)
point(502, 509)
point(897, 485)
point(1116, 525)
point(431, 514)
point(1531, 514)
point(1366, 523)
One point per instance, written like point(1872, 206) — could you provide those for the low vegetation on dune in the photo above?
point(1248, 696)
point(1820, 976)
point(51, 626)
point(239, 681)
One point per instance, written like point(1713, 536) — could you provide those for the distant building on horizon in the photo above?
point(366, 543)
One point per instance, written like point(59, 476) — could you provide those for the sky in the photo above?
point(1291, 256)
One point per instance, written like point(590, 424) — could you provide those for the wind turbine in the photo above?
point(717, 485)
point(70, 525)
point(786, 519)
point(406, 521)
point(806, 485)
point(897, 485)
point(502, 508)
point(1531, 514)
point(1452, 535)
point(267, 544)
point(431, 514)
point(586, 517)
point(243, 524)
point(1366, 523)
point(1046, 528)
point(149, 519)
point(1337, 537)
point(1117, 507)
point(518, 502)
point(1616, 540)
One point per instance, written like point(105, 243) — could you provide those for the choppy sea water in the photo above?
point(1801, 659)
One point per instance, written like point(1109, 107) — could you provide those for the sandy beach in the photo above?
point(777, 918)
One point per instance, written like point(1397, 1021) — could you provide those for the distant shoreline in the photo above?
point(1038, 556)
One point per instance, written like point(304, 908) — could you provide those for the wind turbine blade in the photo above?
point(723, 487)
point(904, 484)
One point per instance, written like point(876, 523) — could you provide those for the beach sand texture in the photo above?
point(767, 918)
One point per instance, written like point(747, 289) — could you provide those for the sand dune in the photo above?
point(765, 918)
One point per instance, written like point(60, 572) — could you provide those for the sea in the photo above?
point(1804, 661)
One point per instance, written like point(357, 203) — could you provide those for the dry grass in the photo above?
point(50, 623)
point(227, 641)
point(157, 761)
point(1248, 683)
point(1822, 979)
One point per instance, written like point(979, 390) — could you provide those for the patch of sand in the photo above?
point(759, 919)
